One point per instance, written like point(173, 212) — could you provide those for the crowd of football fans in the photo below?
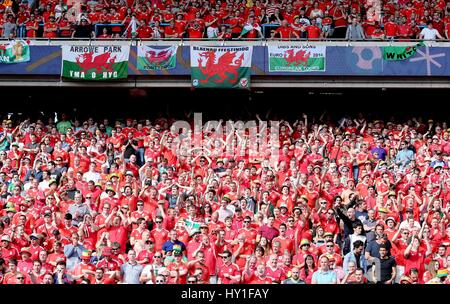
point(194, 19)
point(140, 202)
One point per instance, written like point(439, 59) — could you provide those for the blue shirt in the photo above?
point(168, 245)
point(324, 277)
point(351, 257)
point(404, 157)
point(131, 273)
point(381, 152)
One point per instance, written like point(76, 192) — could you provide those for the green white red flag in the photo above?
point(95, 62)
point(301, 58)
point(153, 59)
point(221, 67)
point(16, 51)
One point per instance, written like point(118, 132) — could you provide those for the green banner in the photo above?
point(95, 62)
point(297, 59)
point(394, 53)
point(221, 67)
point(152, 59)
point(16, 51)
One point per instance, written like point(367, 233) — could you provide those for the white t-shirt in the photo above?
point(429, 34)
point(151, 270)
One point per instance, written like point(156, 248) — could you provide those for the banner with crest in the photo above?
point(156, 59)
point(221, 67)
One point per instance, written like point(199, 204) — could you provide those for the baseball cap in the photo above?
point(86, 254)
point(442, 273)
point(11, 210)
point(382, 210)
point(25, 250)
point(6, 238)
point(304, 242)
point(110, 189)
point(113, 175)
point(35, 236)
point(227, 199)
point(129, 173)
point(391, 219)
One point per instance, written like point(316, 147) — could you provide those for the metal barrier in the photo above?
point(231, 42)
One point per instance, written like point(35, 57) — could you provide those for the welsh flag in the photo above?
point(191, 225)
point(297, 58)
point(248, 27)
point(221, 67)
point(95, 62)
point(16, 51)
point(153, 59)
point(391, 53)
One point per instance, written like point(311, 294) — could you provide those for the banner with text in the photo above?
point(95, 62)
point(16, 51)
point(221, 67)
point(391, 53)
point(302, 58)
point(151, 59)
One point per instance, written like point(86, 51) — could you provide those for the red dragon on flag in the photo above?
point(104, 61)
point(160, 57)
point(299, 58)
point(226, 64)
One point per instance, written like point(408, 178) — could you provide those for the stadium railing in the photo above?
point(230, 42)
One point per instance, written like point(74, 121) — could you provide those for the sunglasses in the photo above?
point(157, 256)
point(247, 222)
point(159, 281)
point(330, 246)
point(192, 282)
point(158, 222)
